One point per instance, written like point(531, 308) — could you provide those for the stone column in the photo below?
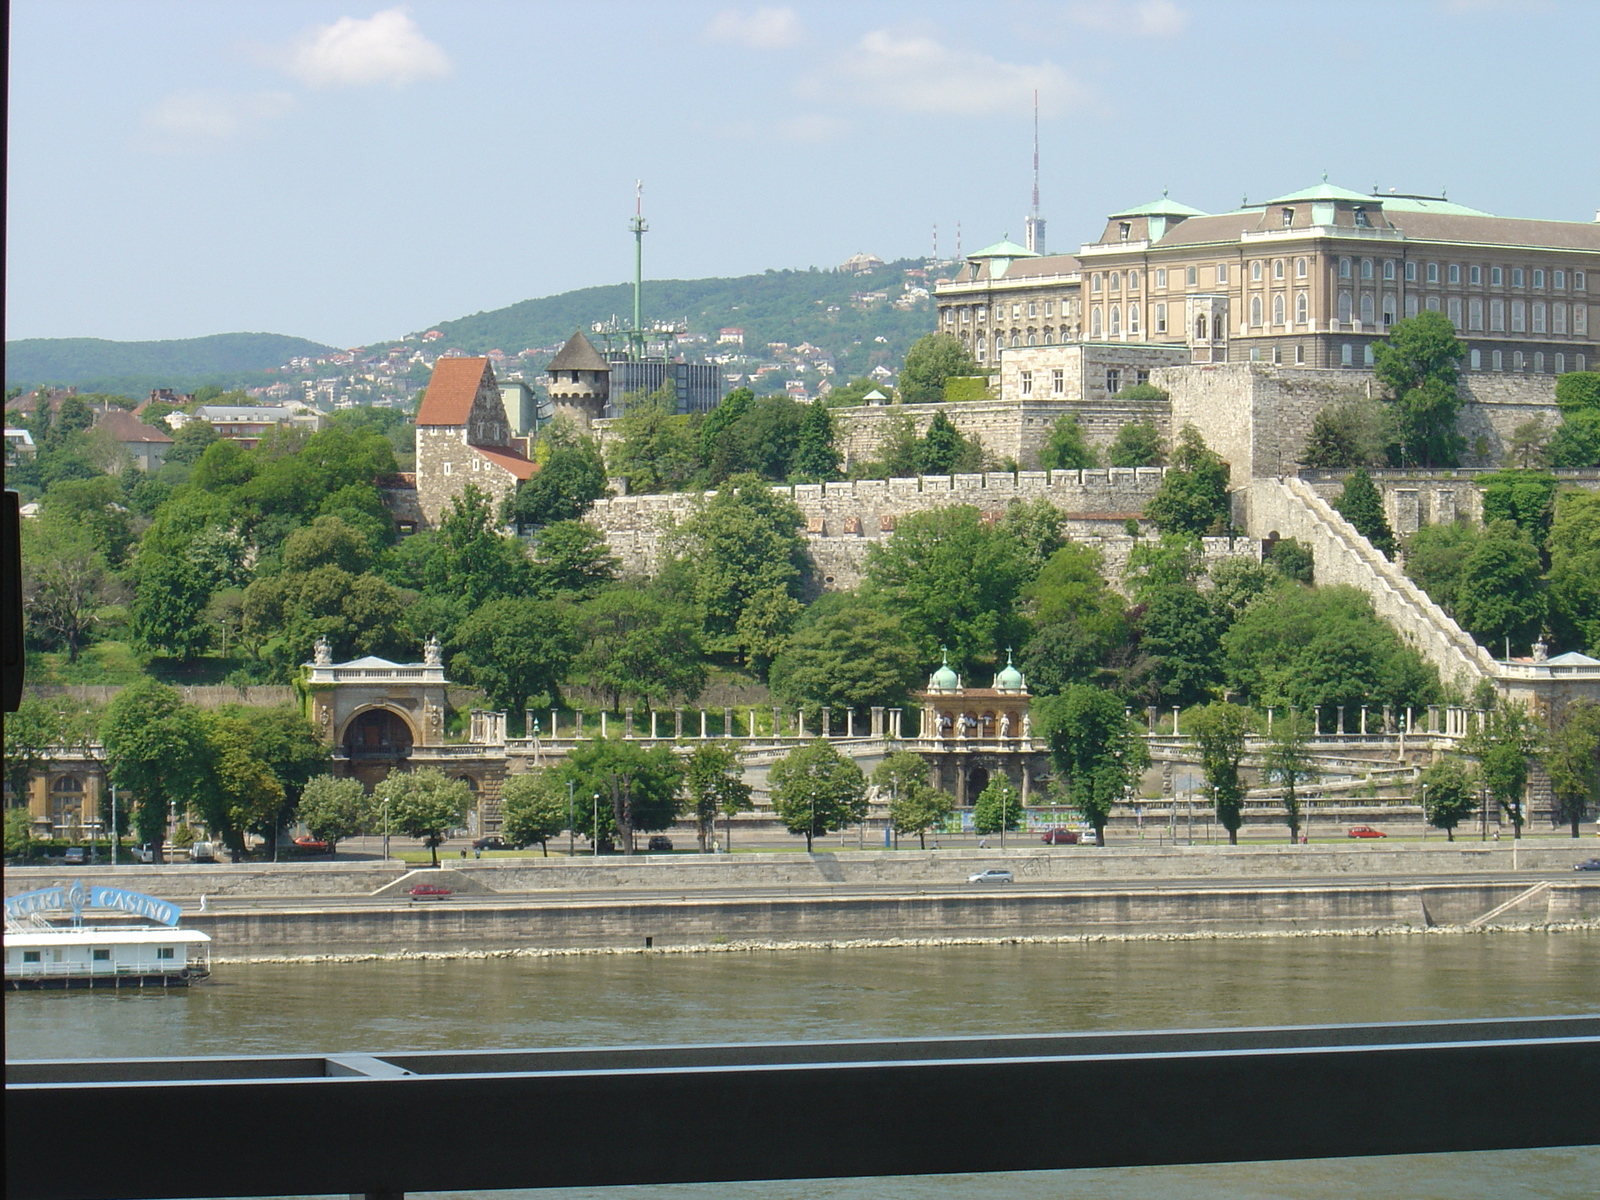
point(677, 723)
point(653, 724)
point(800, 723)
point(877, 721)
point(1316, 718)
point(1151, 713)
point(894, 723)
point(1027, 782)
point(627, 722)
point(1340, 728)
point(1433, 718)
point(752, 730)
point(1269, 720)
point(1411, 726)
point(727, 722)
point(1363, 720)
point(777, 723)
point(850, 722)
point(577, 723)
point(602, 722)
point(1388, 719)
point(553, 729)
point(827, 721)
point(702, 722)
point(1174, 720)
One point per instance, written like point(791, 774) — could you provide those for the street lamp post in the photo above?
point(114, 838)
point(386, 829)
point(572, 834)
point(596, 837)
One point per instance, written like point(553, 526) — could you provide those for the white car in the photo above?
point(992, 875)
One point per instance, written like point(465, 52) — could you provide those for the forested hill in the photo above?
point(776, 306)
point(93, 363)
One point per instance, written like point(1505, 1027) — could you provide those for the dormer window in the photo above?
point(1361, 218)
point(1125, 228)
point(1288, 217)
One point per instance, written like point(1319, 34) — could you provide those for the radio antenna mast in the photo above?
point(639, 226)
point(1034, 225)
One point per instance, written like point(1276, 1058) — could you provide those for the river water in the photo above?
point(632, 999)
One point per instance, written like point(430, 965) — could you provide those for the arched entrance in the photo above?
point(377, 733)
point(977, 780)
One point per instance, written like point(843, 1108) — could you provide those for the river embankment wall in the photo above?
point(993, 913)
point(1249, 865)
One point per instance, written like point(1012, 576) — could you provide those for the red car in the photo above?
point(311, 845)
point(1060, 837)
point(429, 891)
point(1365, 831)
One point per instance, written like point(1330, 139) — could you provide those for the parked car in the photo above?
point(489, 843)
point(1588, 864)
point(992, 875)
point(1365, 831)
point(144, 853)
point(1060, 837)
point(311, 845)
point(429, 891)
point(75, 855)
point(203, 852)
point(660, 843)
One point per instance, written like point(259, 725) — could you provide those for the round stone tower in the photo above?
point(579, 382)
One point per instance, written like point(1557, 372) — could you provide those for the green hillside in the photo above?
point(776, 306)
point(95, 362)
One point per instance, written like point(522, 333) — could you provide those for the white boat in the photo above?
point(42, 954)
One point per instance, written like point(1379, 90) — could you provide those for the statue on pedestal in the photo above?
point(322, 652)
point(432, 656)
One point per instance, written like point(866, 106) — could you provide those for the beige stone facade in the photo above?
point(1311, 279)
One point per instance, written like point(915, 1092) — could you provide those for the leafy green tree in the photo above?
point(284, 615)
point(1181, 633)
point(1066, 448)
point(335, 809)
point(1193, 497)
point(1527, 498)
point(1504, 746)
point(1419, 365)
point(954, 581)
point(1576, 441)
point(239, 791)
point(714, 779)
point(471, 559)
point(328, 542)
point(190, 442)
point(1237, 584)
point(932, 359)
point(1578, 391)
point(656, 448)
point(998, 806)
point(1292, 559)
point(631, 643)
point(535, 806)
point(1173, 560)
point(1501, 590)
point(914, 805)
point(65, 585)
point(1323, 646)
point(515, 649)
point(1436, 557)
point(156, 748)
point(852, 654)
point(1039, 528)
point(743, 542)
point(1352, 431)
point(901, 447)
point(1219, 729)
point(1449, 794)
point(289, 746)
point(19, 841)
point(638, 787)
point(1572, 760)
point(855, 392)
point(1574, 568)
point(31, 733)
point(1137, 444)
point(945, 451)
point(1094, 748)
point(567, 482)
point(425, 805)
point(1288, 764)
point(1078, 621)
point(816, 790)
point(97, 509)
point(1361, 505)
point(716, 448)
point(1529, 444)
point(571, 559)
point(816, 457)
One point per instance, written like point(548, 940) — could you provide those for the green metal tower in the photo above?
point(635, 337)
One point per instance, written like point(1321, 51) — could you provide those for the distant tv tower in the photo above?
point(638, 227)
point(958, 241)
point(936, 241)
point(1033, 227)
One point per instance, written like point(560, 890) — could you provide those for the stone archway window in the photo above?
point(377, 733)
point(1200, 328)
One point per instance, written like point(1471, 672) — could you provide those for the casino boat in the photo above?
point(40, 953)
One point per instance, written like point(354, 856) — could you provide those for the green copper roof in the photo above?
point(1327, 191)
point(1009, 679)
point(1160, 208)
point(1005, 248)
point(944, 679)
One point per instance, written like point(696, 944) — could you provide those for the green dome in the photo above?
point(944, 679)
point(1009, 679)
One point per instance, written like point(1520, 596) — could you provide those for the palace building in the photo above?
point(1313, 278)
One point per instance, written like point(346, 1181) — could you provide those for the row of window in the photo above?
point(1058, 380)
point(981, 312)
point(1526, 316)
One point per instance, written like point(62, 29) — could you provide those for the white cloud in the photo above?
point(386, 47)
point(918, 74)
point(1139, 18)
point(199, 121)
point(763, 29)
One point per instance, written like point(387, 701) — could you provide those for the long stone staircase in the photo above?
point(1289, 507)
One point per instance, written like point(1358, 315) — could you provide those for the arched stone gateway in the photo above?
point(970, 735)
point(375, 713)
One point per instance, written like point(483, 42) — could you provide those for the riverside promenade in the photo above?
point(715, 901)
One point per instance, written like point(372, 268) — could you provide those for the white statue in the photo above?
point(431, 655)
point(1027, 726)
point(322, 653)
point(1005, 725)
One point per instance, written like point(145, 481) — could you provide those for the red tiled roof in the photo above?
point(455, 382)
point(125, 427)
point(512, 460)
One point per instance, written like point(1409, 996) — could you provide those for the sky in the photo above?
point(354, 172)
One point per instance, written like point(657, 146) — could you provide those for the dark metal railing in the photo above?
point(459, 1121)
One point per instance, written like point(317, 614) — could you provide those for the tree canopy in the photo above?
point(932, 359)
point(1419, 365)
point(816, 790)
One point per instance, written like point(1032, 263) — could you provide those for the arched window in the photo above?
point(1344, 268)
point(1277, 268)
point(1302, 308)
point(1389, 310)
point(1346, 307)
point(1299, 268)
point(1133, 320)
point(1368, 311)
point(1016, 338)
point(1094, 322)
point(1200, 328)
point(1032, 340)
point(1255, 270)
point(1133, 281)
point(1366, 268)
point(1116, 321)
point(1255, 310)
point(1277, 310)
point(1094, 282)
